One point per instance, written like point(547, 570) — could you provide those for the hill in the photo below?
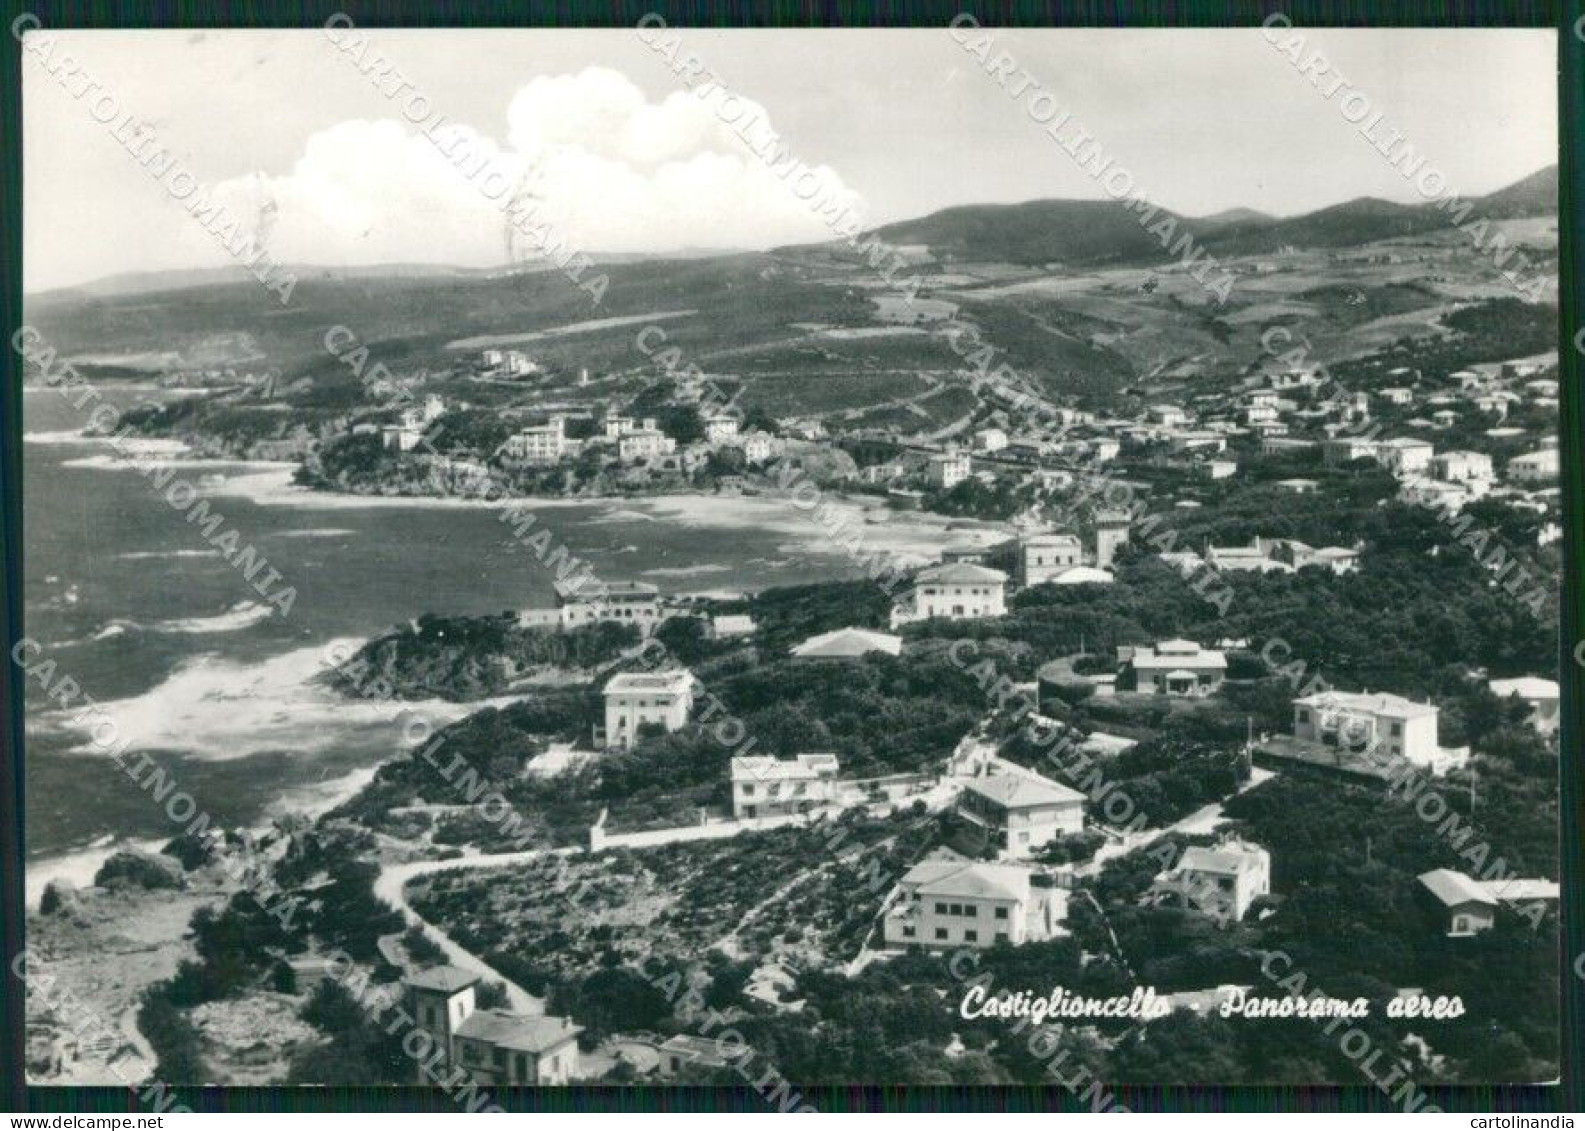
point(1099, 233)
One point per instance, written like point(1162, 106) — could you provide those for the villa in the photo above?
point(637, 699)
point(1173, 667)
point(946, 902)
point(495, 1047)
point(1222, 881)
point(1020, 810)
point(956, 592)
point(782, 787)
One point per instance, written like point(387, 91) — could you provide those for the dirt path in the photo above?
point(391, 886)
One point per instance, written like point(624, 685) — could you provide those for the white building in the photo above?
point(1462, 467)
point(1173, 667)
point(1021, 810)
point(946, 902)
point(618, 602)
point(400, 437)
point(720, 428)
point(780, 787)
point(520, 364)
point(731, 626)
point(496, 1047)
point(543, 444)
point(1534, 467)
point(1404, 455)
point(1222, 881)
point(848, 644)
point(948, 470)
point(645, 443)
point(634, 699)
point(615, 427)
point(1046, 557)
point(1346, 449)
point(957, 592)
point(1540, 694)
point(1469, 908)
point(758, 447)
point(990, 440)
point(1370, 721)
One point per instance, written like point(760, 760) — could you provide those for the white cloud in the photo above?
point(615, 172)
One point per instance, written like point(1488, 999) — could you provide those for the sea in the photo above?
point(222, 691)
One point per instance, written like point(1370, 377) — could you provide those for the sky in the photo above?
point(283, 129)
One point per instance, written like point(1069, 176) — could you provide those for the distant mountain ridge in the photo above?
point(1098, 233)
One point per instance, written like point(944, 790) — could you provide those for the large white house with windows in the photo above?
point(541, 444)
point(1046, 557)
point(782, 787)
point(946, 902)
point(1020, 809)
point(634, 699)
point(617, 602)
point(1369, 721)
point(1221, 881)
point(495, 1046)
point(957, 591)
point(1173, 667)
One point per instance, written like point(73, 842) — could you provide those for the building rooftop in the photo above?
point(514, 1031)
point(702, 1049)
point(613, 590)
point(1454, 888)
point(1023, 791)
point(849, 642)
point(1375, 703)
point(1172, 654)
point(962, 573)
point(764, 768)
point(442, 979)
point(661, 683)
point(1526, 687)
point(969, 879)
point(1225, 859)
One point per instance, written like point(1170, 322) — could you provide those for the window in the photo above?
point(1304, 714)
point(972, 910)
point(748, 791)
point(971, 936)
point(941, 909)
point(941, 932)
point(908, 932)
point(1397, 729)
point(1001, 912)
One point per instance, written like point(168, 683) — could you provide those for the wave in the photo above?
point(244, 614)
point(78, 867)
point(686, 571)
point(622, 516)
point(139, 555)
point(70, 436)
point(316, 532)
point(216, 710)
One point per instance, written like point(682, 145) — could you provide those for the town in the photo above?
point(1081, 740)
